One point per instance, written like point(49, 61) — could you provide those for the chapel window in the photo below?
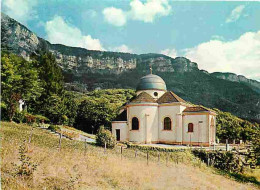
point(155, 94)
point(167, 123)
point(190, 127)
point(135, 123)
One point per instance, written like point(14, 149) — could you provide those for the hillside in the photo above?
point(87, 69)
point(71, 168)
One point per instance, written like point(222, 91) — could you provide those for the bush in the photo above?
point(152, 148)
point(41, 119)
point(224, 160)
point(54, 128)
point(4, 115)
point(29, 118)
point(26, 167)
point(103, 136)
point(19, 117)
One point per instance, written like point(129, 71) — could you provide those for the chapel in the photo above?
point(156, 115)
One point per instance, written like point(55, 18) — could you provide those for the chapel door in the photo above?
point(118, 134)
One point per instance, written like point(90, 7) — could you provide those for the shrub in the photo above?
point(29, 118)
point(4, 115)
point(224, 160)
point(54, 128)
point(19, 116)
point(152, 148)
point(26, 166)
point(41, 119)
point(103, 136)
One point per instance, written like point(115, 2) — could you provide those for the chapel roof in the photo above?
point(122, 116)
point(151, 82)
point(197, 109)
point(143, 97)
point(169, 97)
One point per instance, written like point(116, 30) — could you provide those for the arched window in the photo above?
point(167, 123)
point(190, 127)
point(135, 123)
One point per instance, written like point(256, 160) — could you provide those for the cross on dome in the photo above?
point(151, 69)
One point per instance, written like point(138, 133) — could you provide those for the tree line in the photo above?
point(40, 83)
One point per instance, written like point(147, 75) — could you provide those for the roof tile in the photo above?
point(169, 97)
point(196, 109)
point(142, 98)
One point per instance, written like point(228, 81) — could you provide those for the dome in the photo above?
point(151, 82)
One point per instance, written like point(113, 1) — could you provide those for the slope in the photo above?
point(71, 168)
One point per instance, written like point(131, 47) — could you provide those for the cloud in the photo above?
point(114, 16)
point(240, 56)
point(146, 12)
point(60, 32)
point(122, 48)
point(169, 52)
point(235, 14)
point(21, 10)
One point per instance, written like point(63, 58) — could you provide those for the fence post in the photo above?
point(227, 147)
point(105, 147)
point(167, 158)
point(135, 153)
point(147, 157)
point(121, 152)
point(158, 157)
point(60, 142)
point(177, 159)
point(85, 151)
point(208, 161)
point(30, 137)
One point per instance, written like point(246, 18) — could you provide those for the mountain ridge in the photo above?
point(102, 69)
point(44, 44)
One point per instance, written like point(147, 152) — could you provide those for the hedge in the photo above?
point(224, 160)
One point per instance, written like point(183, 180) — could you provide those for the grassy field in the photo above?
point(74, 168)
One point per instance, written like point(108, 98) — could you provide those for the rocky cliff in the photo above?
point(78, 60)
point(238, 78)
point(88, 69)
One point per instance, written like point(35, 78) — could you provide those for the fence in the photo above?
point(224, 160)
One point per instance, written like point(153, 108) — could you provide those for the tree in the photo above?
point(50, 74)
point(19, 80)
point(54, 109)
point(104, 136)
point(256, 144)
point(100, 107)
point(50, 103)
point(228, 126)
point(71, 106)
point(94, 112)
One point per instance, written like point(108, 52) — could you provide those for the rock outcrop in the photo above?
point(78, 60)
point(238, 78)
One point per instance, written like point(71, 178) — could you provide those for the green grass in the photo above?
point(79, 132)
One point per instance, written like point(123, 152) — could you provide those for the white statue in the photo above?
point(21, 103)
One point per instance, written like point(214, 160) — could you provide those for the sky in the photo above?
point(219, 36)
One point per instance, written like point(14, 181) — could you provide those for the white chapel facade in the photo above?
point(156, 115)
